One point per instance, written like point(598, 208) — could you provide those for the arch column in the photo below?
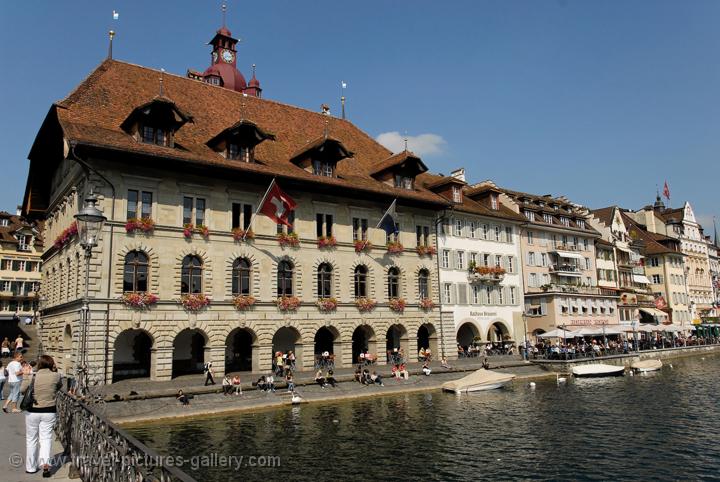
point(161, 363)
point(304, 361)
point(339, 349)
point(262, 357)
point(217, 356)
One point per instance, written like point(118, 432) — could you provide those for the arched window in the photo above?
point(324, 280)
point(424, 284)
point(361, 273)
point(393, 283)
point(135, 278)
point(191, 276)
point(241, 277)
point(285, 279)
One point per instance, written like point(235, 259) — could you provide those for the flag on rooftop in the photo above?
point(116, 15)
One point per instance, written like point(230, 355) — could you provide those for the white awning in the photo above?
point(641, 278)
point(654, 312)
point(568, 254)
point(623, 249)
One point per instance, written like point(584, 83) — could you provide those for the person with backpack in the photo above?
point(207, 369)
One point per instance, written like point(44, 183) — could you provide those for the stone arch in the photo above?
point(467, 333)
point(335, 276)
point(427, 338)
point(207, 268)
point(254, 271)
point(297, 274)
point(327, 339)
point(287, 339)
point(241, 350)
point(364, 339)
point(190, 347)
point(396, 342)
point(498, 331)
point(153, 265)
point(371, 285)
point(132, 354)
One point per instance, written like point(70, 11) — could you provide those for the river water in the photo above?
point(661, 426)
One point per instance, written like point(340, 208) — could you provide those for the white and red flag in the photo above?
point(666, 191)
point(277, 205)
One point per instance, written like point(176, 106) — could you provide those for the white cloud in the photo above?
point(422, 145)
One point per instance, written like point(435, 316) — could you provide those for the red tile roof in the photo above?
point(93, 113)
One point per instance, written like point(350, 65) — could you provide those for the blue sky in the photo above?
point(599, 101)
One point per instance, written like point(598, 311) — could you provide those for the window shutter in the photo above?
point(543, 306)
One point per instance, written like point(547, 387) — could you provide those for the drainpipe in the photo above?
point(87, 167)
point(438, 222)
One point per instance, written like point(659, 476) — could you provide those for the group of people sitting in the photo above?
point(487, 349)
point(363, 375)
point(425, 355)
point(326, 380)
point(230, 385)
point(366, 358)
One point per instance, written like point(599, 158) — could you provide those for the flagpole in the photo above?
point(262, 201)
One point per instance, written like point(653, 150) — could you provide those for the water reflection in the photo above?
point(659, 426)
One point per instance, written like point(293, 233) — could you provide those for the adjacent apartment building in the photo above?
point(481, 286)
point(184, 273)
point(559, 265)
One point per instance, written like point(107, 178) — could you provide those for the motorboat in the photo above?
point(646, 365)
point(598, 370)
point(478, 380)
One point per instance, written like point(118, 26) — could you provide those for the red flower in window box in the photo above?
point(288, 303)
point(66, 236)
point(365, 304)
point(426, 251)
point(203, 230)
point(195, 301)
point(361, 246)
point(139, 300)
point(146, 225)
point(394, 247)
point(290, 239)
point(427, 304)
point(327, 304)
point(243, 302)
point(188, 230)
point(326, 242)
point(397, 305)
point(238, 234)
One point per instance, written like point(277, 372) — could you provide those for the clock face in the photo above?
point(227, 56)
point(215, 57)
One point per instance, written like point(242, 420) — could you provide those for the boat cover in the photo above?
point(478, 377)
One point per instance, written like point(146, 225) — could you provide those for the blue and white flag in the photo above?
point(387, 222)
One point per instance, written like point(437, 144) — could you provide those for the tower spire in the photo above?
point(716, 232)
point(223, 8)
point(162, 73)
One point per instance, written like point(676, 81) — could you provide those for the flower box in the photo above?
point(139, 300)
point(363, 246)
point(240, 234)
point(427, 304)
point(243, 302)
point(188, 229)
point(194, 302)
point(394, 247)
point(397, 305)
point(326, 242)
point(426, 251)
point(327, 304)
point(203, 230)
point(66, 236)
point(290, 239)
point(146, 225)
point(365, 304)
point(288, 303)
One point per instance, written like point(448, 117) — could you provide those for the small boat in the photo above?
point(646, 365)
point(598, 370)
point(478, 381)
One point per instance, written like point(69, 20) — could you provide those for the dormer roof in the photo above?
point(325, 147)
point(245, 129)
point(404, 159)
point(160, 107)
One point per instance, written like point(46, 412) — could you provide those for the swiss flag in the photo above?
point(278, 205)
point(666, 191)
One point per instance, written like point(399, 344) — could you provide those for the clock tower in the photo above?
point(223, 66)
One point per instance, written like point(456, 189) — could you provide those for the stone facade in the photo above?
point(20, 250)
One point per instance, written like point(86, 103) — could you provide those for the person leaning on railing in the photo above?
point(41, 417)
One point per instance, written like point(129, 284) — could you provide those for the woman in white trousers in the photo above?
point(40, 418)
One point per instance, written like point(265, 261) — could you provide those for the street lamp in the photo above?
point(525, 351)
point(90, 221)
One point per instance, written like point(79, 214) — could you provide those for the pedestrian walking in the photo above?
point(3, 379)
point(14, 379)
point(209, 380)
point(40, 418)
point(19, 344)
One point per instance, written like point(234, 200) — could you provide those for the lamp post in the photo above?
point(38, 324)
point(89, 222)
point(525, 350)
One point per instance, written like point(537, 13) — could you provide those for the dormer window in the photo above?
point(323, 168)
point(237, 153)
point(494, 202)
point(547, 218)
point(155, 135)
point(4, 222)
point(457, 194)
point(565, 221)
point(404, 182)
point(24, 242)
point(581, 223)
point(529, 215)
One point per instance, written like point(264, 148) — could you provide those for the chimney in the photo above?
point(18, 210)
point(458, 174)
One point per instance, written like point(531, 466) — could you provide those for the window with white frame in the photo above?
point(532, 280)
point(498, 233)
point(475, 294)
point(508, 234)
point(543, 259)
point(447, 293)
point(485, 230)
point(565, 221)
point(498, 260)
point(446, 258)
point(513, 295)
point(494, 202)
point(473, 229)
point(458, 227)
point(460, 260)
point(511, 264)
point(457, 194)
point(194, 211)
point(547, 218)
point(531, 258)
point(656, 279)
point(529, 215)
point(530, 237)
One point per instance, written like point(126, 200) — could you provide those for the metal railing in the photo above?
point(100, 451)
